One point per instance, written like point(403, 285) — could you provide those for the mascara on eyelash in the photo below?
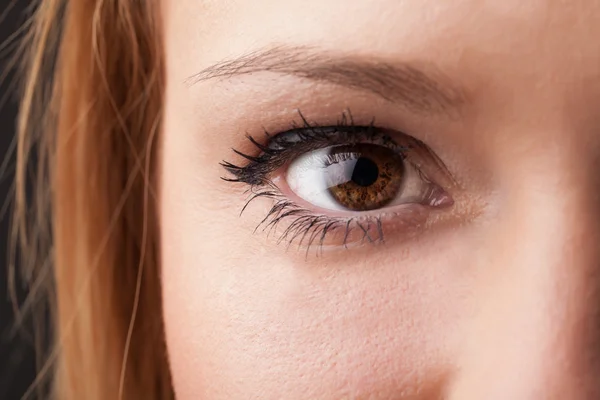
point(284, 146)
point(308, 228)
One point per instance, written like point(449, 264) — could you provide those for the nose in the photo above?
point(535, 328)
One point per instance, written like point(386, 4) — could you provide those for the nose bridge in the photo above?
point(535, 331)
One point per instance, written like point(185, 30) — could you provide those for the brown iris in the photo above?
point(368, 176)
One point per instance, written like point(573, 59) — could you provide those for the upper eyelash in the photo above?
point(273, 155)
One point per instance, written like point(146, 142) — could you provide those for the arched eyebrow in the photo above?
point(421, 89)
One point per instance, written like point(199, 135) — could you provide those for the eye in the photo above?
point(360, 177)
point(327, 183)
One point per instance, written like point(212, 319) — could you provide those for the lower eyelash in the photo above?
point(312, 229)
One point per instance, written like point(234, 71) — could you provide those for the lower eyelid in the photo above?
point(348, 233)
point(351, 228)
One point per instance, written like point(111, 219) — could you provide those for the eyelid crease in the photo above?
point(420, 88)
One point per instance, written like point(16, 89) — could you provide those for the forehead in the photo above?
point(445, 30)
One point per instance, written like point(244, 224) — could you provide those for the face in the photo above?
point(420, 193)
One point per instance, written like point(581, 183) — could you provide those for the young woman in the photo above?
point(302, 199)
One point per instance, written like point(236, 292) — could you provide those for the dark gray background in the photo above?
point(16, 352)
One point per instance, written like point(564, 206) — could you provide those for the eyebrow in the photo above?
point(424, 89)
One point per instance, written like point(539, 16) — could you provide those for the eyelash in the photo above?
point(306, 225)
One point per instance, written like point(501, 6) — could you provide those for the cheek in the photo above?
point(243, 316)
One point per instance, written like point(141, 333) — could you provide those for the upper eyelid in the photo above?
point(257, 167)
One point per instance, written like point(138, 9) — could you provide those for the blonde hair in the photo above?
point(88, 235)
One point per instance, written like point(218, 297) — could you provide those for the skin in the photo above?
point(496, 297)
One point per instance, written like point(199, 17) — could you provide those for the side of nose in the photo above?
point(535, 330)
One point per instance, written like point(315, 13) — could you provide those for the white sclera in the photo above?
point(310, 179)
point(309, 176)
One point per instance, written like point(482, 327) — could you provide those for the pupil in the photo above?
point(365, 172)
